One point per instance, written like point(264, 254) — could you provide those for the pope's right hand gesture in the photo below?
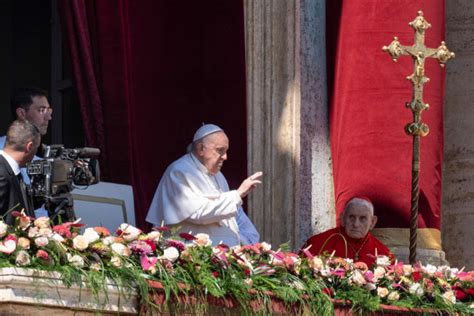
point(249, 184)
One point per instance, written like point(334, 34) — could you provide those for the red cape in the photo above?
point(333, 240)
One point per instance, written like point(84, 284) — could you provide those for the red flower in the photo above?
point(328, 292)
point(416, 276)
point(187, 236)
point(161, 228)
point(470, 292)
point(175, 243)
point(460, 295)
point(215, 274)
point(151, 244)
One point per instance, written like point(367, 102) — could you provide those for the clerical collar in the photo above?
point(12, 162)
point(200, 166)
point(342, 230)
point(210, 178)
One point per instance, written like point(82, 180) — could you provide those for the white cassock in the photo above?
point(191, 198)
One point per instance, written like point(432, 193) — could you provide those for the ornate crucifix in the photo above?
point(419, 52)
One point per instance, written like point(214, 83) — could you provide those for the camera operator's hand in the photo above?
point(249, 184)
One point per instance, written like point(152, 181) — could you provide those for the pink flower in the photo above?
point(148, 263)
point(63, 230)
point(43, 255)
point(339, 272)
point(142, 247)
point(8, 245)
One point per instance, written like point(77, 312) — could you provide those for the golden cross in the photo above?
point(419, 52)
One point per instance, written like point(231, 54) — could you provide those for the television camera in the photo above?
point(58, 173)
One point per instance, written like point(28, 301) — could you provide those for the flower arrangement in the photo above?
point(189, 266)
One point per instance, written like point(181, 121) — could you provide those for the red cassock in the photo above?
point(357, 249)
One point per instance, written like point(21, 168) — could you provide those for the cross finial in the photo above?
point(419, 52)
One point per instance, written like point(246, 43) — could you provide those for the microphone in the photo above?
point(89, 152)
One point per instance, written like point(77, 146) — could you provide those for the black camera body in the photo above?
point(56, 175)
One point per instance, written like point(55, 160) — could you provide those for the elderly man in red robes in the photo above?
point(353, 238)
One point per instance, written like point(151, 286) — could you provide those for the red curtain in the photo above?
point(371, 152)
point(159, 69)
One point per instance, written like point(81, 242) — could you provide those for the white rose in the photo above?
point(120, 249)
point(382, 291)
point(383, 261)
point(116, 261)
point(22, 258)
point(449, 297)
point(130, 233)
point(80, 243)
point(57, 237)
point(33, 232)
point(76, 260)
point(393, 296)
point(202, 240)
point(154, 235)
point(379, 273)
point(3, 229)
point(41, 241)
point(171, 254)
point(316, 264)
point(416, 289)
point(370, 286)
point(91, 235)
point(109, 240)
point(430, 269)
point(266, 246)
point(46, 231)
point(42, 222)
point(358, 278)
point(24, 243)
point(407, 270)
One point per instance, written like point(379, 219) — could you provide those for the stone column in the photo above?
point(458, 173)
point(287, 119)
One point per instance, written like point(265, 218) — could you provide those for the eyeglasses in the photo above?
point(221, 151)
point(44, 110)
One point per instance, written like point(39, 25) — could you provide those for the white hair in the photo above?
point(358, 202)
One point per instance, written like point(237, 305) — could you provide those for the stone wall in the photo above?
point(458, 173)
point(287, 119)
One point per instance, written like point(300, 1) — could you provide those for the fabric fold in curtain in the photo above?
point(371, 153)
point(148, 73)
point(96, 33)
point(80, 27)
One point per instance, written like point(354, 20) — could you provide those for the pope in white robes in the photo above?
point(194, 195)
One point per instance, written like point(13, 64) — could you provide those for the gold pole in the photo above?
point(419, 52)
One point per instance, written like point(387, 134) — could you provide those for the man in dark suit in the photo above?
point(22, 141)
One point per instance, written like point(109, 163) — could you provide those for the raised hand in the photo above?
point(249, 184)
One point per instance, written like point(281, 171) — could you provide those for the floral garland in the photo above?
point(188, 265)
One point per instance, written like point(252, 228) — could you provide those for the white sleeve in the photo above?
point(214, 210)
point(248, 232)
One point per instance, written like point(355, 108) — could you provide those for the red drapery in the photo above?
point(157, 70)
point(371, 152)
